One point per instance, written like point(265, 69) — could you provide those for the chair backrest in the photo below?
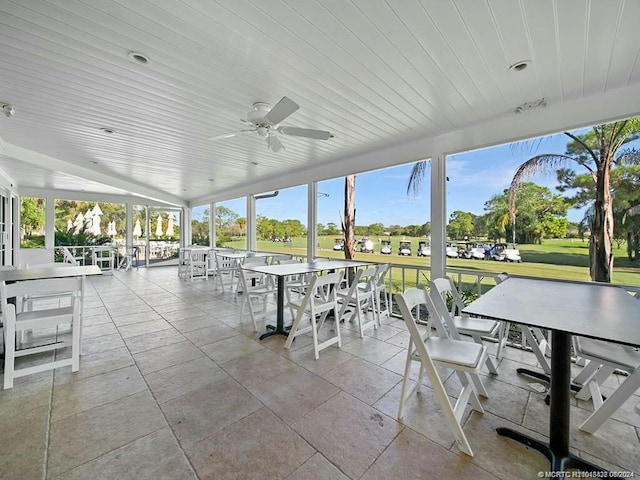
point(256, 261)
point(68, 257)
point(322, 291)
point(500, 278)
point(50, 286)
point(278, 259)
point(198, 255)
point(411, 299)
point(439, 315)
point(381, 275)
point(446, 288)
point(368, 276)
point(224, 264)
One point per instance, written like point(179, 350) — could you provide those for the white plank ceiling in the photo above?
point(393, 80)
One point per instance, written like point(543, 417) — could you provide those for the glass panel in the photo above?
point(231, 223)
point(32, 219)
point(200, 225)
point(281, 222)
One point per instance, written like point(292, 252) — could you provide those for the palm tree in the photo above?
point(597, 151)
point(349, 220)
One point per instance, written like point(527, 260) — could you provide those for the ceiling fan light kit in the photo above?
point(265, 121)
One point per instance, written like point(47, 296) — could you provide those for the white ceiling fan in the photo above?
point(265, 121)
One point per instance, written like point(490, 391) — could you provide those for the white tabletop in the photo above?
point(595, 310)
point(283, 270)
point(37, 273)
point(239, 255)
point(332, 264)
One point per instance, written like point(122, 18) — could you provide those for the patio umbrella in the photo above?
point(69, 225)
point(111, 229)
point(95, 223)
point(78, 223)
point(159, 226)
point(96, 210)
point(137, 229)
point(170, 227)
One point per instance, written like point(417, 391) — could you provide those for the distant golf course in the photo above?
point(554, 258)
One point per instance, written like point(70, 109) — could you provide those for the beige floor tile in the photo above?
point(101, 344)
point(154, 457)
point(372, 350)
point(195, 323)
point(182, 314)
point(363, 380)
point(258, 447)
point(23, 443)
point(136, 318)
point(293, 394)
point(166, 356)
point(143, 328)
point(317, 468)
point(181, 379)
point(82, 395)
point(257, 367)
point(97, 330)
point(348, 432)
point(95, 364)
point(202, 412)
point(401, 460)
point(149, 341)
point(203, 336)
point(80, 438)
point(231, 348)
point(330, 358)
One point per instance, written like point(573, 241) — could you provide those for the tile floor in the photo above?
point(172, 386)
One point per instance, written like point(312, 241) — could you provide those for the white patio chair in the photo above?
point(476, 328)
point(380, 290)
point(127, 260)
point(319, 300)
point(197, 264)
point(466, 358)
point(358, 299)
point(532, 337)
point(225, 271)
point(607, 357)
point(183, 261)
point(444, 320)
point(17, 322)
point(295, 286)
point(104, 258)
point(255, 286)
point(68, 257)
point(278, 259)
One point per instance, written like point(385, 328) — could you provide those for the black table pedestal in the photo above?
point(279, 329)
point(557, 450)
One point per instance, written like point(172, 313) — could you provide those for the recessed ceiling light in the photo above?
point(94, 162)
point(210, 179)
point(184, 189)
point(254, 163)
point(107, 130)
point(519, 66)
point(138, 57)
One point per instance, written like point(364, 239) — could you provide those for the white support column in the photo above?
point(251, 222)
point(438, 215)
point(129, 226)
point(312, 220)
point(212, 224)
point(187, 234)
point(49, 223)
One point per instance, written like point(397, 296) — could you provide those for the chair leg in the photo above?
point(615, 400)
point(586, 373)
point(405, 380)
point(75, 345)
point(489, 361)
point(9, 354)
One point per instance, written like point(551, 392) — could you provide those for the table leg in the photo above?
point(279, 330)
point(557, 450)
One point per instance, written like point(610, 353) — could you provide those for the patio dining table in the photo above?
point(594, 310)
point(281, 272)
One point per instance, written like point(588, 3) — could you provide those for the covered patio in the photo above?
point(177, 105)
point(172, 386)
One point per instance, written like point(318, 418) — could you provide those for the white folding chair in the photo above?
point(225, 270)
point(16, 322)
point(183, 261)
point(197, 263)
point(68, 257)
point(444, 320)
point(380, 289)
point(319, 300)
point(255, 286)
point(476, 328)
point(466, 358)
point(104, 258)
point(358, 298)
point(533, 337)
point(130, 256)
point(607, 357)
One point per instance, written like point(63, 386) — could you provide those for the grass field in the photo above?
point(562, 258)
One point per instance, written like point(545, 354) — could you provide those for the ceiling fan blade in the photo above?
point(232, 134)
point(305, 132)
point(274, 144)
point(281, 110)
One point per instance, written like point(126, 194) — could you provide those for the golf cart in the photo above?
point(464, 250)
point(385, 247)
point(503, 252)
point(338, 244)
point(405, 247)
point(451, 251)
point(477, 251)
point(366, 245)
point(424, 250)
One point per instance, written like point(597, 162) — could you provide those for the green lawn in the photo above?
point(560, 258)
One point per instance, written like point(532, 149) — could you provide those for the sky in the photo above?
point(381, 196)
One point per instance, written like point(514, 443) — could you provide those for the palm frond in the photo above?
point(417, 176)
point(635, 210)
point(629, 156)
